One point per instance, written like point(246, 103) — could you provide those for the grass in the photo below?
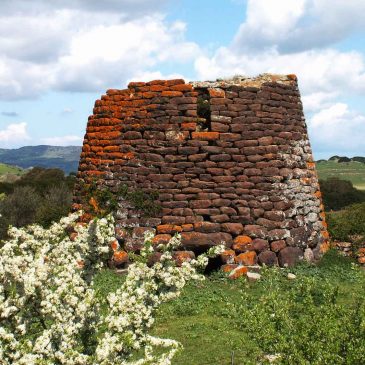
point(218, 317)
point(8, 169)
point(352, 171)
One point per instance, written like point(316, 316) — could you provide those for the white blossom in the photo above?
point(47, 297)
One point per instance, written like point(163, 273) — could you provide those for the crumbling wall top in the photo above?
point(241, 80)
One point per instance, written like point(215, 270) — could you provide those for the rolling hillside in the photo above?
point(353, 171)
point(64, 158)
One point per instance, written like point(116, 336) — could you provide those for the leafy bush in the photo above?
point(306, 323)
point(40, 179)
point(41, 196)
point(56, 203)
point(338, 194)
point(20, 207)
point(346, 224)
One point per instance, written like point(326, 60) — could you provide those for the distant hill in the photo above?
point(344, 168)
point(64, 158)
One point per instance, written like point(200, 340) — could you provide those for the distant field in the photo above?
point(352, 171)
point(8, 169)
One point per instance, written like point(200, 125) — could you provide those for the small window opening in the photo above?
point(203, 111)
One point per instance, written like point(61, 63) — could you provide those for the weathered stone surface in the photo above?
point(276, 246)
point(197, 239)
point(161, 239)
point(259, 245)
point(233, 228)
point(244, 170)
point(120, 257)
point(228, 267)
point(289, 256)
point(206, 227)
point(238, 272)
point(183, 256)
point(253, 276)
point(268, 258)
point(228, 256)
point(247, 258)
point(255, 231)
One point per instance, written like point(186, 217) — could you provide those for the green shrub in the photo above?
point(305, 323)
point(25, 205)
point(55, 204)
point(338, 194)
point(347, 223)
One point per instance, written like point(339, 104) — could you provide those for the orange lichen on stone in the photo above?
point(136, 84)
point(168, 229)
point(159, 87)
point(182, 256)
point(216, 93)
point(161, 239)
point(123, 156)
point(181, 87)
point(228, 256)
point(114, 245)
point(86, 218)
point(292, 77)
point(149, 95)
point(243, 239)
point(361, 251)
point(171, 94)
point(305, 180)
point(157, 82)
point(120, 257)
point(228, 267)
point(242, 243)
point(324, 247)
point(361, 260)
point(325, 234)
point(238, 272)
point(188, 126)
point(318, 194)
point(187, 227)
point(206, 136)
point(247, 258)
point(94, 204)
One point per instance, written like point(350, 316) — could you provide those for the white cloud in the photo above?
point(71, 48)
point(14, 133)
point(338, 129)
point(122, 7)
point(63, 140)
point(298, 25)
point(317, 100)
point(325, 70)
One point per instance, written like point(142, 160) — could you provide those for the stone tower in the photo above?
point(229, 160)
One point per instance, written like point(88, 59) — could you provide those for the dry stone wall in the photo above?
point(230, 161)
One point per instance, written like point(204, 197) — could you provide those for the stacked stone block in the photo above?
point(244, 175)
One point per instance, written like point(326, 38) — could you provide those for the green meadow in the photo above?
point(352, 171)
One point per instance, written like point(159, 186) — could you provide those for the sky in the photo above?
point(58, 56)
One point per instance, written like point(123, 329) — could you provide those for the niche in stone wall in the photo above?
point(203, 110)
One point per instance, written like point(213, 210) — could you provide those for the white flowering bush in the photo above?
point(49, 310)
